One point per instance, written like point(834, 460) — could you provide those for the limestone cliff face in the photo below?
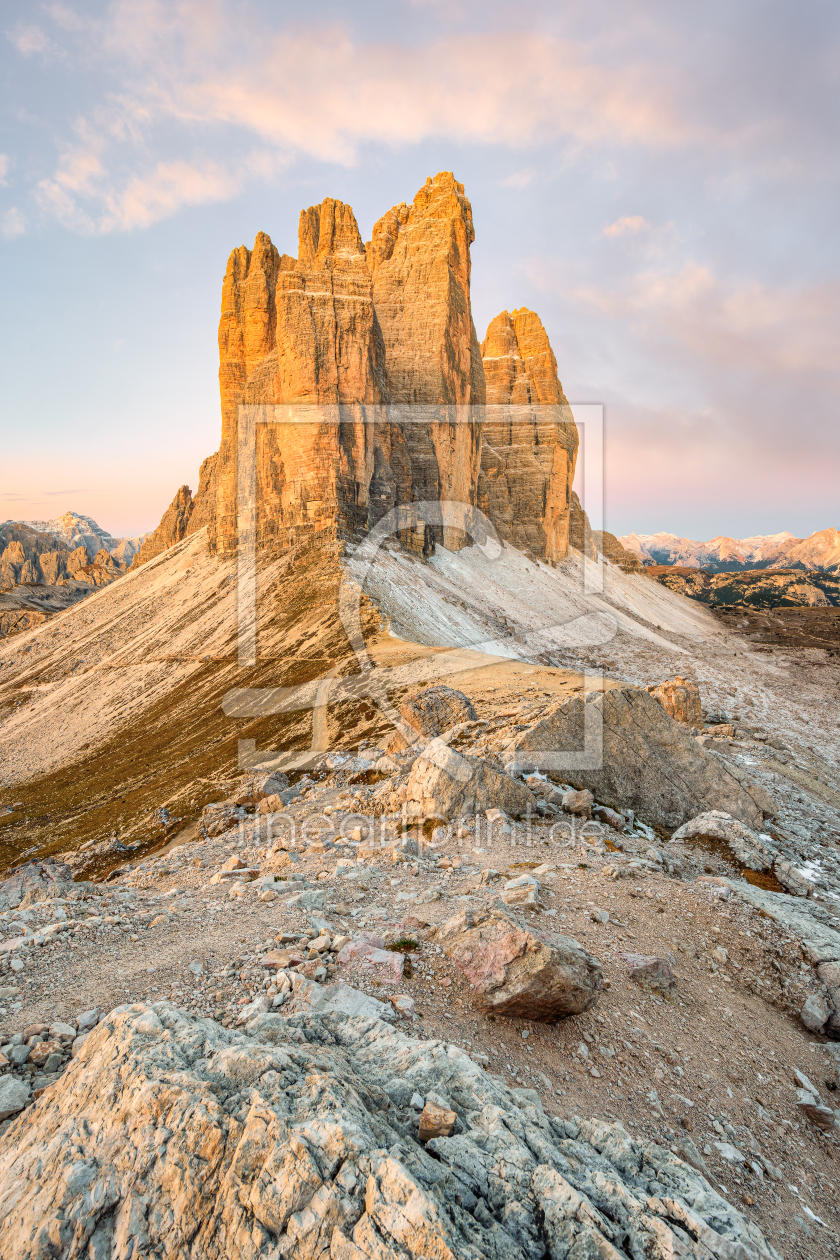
point(419, 260)
point(299, 331)
point(360, 327)
point(185, 515)
point(364, 328)
point(528, 454)
point(172, 528)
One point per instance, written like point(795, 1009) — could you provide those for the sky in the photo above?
point(658, 181)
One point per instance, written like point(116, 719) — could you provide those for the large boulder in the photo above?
point(169, 1134)
point(43, 879)
point(430, 713)
point(520, 972)
point(756, 852)
point(680, 697)
point(637, 757)
point(829, 974)
point(447, 784)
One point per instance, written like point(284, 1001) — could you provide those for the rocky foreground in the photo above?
point(256, 1002)
point(250, 1015)
point(172, 1136)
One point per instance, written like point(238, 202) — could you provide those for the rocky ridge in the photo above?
point(752, 588)
point(352, 878)
point(819, 551)
point(74, 530)
point(46, 566)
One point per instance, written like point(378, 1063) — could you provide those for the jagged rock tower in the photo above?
point(374, 347)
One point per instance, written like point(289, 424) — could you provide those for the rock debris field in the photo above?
point(310, 916)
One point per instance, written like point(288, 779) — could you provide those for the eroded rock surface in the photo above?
point(185, 515)
point(431, 712)
point(754, 851)
point(171, 1135)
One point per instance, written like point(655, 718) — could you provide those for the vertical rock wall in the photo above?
point(528, 453)
point(419, 258)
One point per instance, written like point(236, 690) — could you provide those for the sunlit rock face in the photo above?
point(530, 439)
point(352, 383)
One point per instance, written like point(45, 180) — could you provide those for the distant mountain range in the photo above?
point(46, 566)
point(820, 551)
point(75, 530)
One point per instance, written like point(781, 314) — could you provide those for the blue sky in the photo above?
point(658, 181)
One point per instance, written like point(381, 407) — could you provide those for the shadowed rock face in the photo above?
point(361, 328)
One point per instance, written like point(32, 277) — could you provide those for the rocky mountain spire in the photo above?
point(528, 453)
point(369, 327)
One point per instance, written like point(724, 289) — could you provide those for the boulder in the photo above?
point(430, 713)
point(578, 803)
point(282, 1141)
point(435, 1122)
point(603, 813)
point(257, 787)
point(814, 1013)
point(34, 877)
point(523, 892)
point(447, 784)
point(267, 783)
point(311, 998)
point(810, 1106)
point(309, 899)
point(680, 697)
point(14, 1095)
point(639, 758)
point(652, 971)
point(829, 974)
point(372, 957)
point(756, 852)
point(217, 819)
point(793, 878)
point(525, 973)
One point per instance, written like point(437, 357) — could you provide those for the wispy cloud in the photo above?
point(520, 179)
point(4, 169)
point(743, 325)
point(29, 39)
point(630, 225)
point(198, 76)
point(195, 85)
point(12, 223)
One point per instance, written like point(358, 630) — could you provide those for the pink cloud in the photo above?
point(319, 92)
point(628, 225)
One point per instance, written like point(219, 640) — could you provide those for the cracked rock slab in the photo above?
point(171, 1135)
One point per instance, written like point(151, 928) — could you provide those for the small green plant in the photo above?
point(405, 945)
